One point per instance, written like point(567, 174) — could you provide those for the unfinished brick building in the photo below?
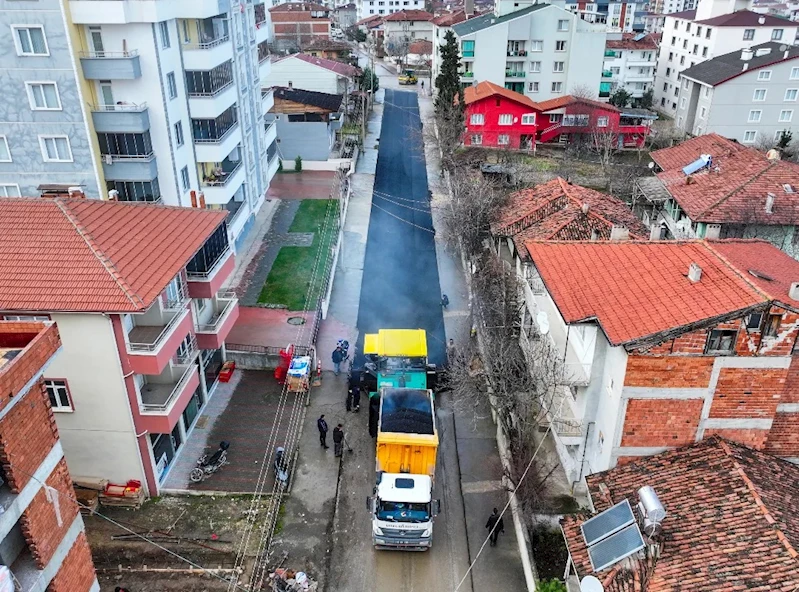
point(42, 539)
point(666, 343)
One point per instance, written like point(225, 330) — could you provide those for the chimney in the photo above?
point(793, 293)
point(694, 272)
point(585, 207)
point(746, 67)
point(468, 8)
point(76, 192)
point(746, 55)
point(619, 233)
point(689, 180)
point(202, 200)
point(713, 231)
point(193, 195)
point(785, 55)
point(654, 232)
point(761, 20)
point(762, 51)
point(770, 203)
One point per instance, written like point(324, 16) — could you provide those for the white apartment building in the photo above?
point(671, 6)
point(715, 28)
point(616, 16)
point(168, 100)
point(630, 61)
point(749, 96)
point(367, 8)
point(404, 27)
point(546, 50)
point(443, 23)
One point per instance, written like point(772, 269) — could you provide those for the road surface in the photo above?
point(400, 289)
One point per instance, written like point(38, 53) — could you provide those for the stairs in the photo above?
point(550, 132)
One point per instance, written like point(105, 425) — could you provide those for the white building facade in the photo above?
point(618, 17)
point(367, 8)
point(630, 62)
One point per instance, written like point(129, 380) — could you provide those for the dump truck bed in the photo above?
point(407, 438)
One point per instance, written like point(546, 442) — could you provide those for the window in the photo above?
point(749, 34)
point(702, 112)
point(30, 41)
point(602, 121)
point(503, 139)
point(707, 91)
point(5, 153)
point(790, 94)
point(750, 136)
point(467, 49)
point(699, 31)
point(535, 66)
point(776, 34)
point(560, 46)
point(721, 341)
point(58, 391)
point(754, 115)
point(43, 96)
point(683, 102)
point(764, 75)
point(682, 60)
point(771, 326)
point(184, 178)
point(777, 138)
point(685, 83)
point(707, 33)
point(536, 45)
point(685, 44)
point(528, 119)
point(704, 52)
point(506, 119)
point(477, 119)
point(785, 116)
point(753, 321)
point(665, 86)
point(558, 66)
point(171, 85)
point(668, 71)
point(532, 87)
point(760, 94)
point(794, 73)
point(164, 28)
point(179, 133)
point(55, 148)
point(477, 139)
point(557, 87)
point(671, 56)
point(563, 25)
point(695, 49)
point(9, 190)
point(26, 318)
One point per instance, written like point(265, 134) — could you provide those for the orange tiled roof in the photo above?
point(636, 290)
point(553, 211)
point(409, 15)
point(628, 41)
point(485, 89)
point(731, 521)
point(449, 18)
point(95, 256)
point(735, 188)
point(566, 100)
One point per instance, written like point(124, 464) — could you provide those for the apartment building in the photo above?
point(665, 7)
point(546, 50)
point(715, 28)
point(139, 105)
point(616, 16)
point(43, 543)
point(367, 8)
point(306, 72)
point(630, 62)
point(297, 24)
point(143, 323)
point(406, 26)
point(749, 95)
point(441, 25)
point(641, 375)
point(713, 187)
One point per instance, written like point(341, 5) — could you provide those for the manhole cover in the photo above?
point(296, 321)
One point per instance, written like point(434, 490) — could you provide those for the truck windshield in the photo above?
point(390, 365)
point(403, 512)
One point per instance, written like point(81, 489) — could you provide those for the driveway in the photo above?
point(304, 185)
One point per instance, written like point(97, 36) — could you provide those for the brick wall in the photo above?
point(668, 371)
point(77, 571)
point(15, 375)
point(748, 392)
point(748, 437)
point(661, 422)
point(783, 438)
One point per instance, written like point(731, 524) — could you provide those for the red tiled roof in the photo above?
point(630, 287)
point(299, 7)
point(485, 89)
point(421, 47)
point(369, 20)
point(332, 65)
point(91, 255)
point(449, 19)
point(628, 41)
point(566, 100)
point(409, 15)
point(746, 18)
point(553, 211)
point(296, 17)
point(731, 521)
point(688, 15)
point(735, 188)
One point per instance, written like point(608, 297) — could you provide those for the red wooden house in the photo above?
point(496, 117)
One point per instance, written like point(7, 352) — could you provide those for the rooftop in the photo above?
point(409, 15)
point(730, 65)
point(308, 97)
point(554, 211)
point(731, 521)
point(331, 65)
point(25, 349)
point(490, 19)
point(373, 20)
point(449, 19)
point(485, 89)
point(735, 187)
point(299, 7)
point(566, 100)
point(421, 47)
point(630, 287)
point(322, 44)
point(688, 15)
point(90, 255)
point(628, 41)
point(746, 18)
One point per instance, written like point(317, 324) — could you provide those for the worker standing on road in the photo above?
point(321, 425)
point(495, 526)
point(338, 440)
point(338, 357)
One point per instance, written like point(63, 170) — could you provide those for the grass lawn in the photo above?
point(289, 281)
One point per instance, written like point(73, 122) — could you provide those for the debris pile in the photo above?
point(288, 580)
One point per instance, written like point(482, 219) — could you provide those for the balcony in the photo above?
point(467, 74)
point(607, 74)
point(213, 331)
point(104, 12)
point(220, 187)
point(121, 118)
point(207, 52)
point(513, 54)
point(110, 65)
point(211, 92)
point(263, 52)
point(560, 415)
point(211, 266)
point(156, 336)
point(515, 73)
point(164, 398)
point(140, 167)
point(270, 133)
point(215, 139)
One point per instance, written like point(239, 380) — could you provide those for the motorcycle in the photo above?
point(281, 465)
point(208, 466)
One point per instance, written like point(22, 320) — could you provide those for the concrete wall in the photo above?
point(21, 126)
point(98, 435)
point(309, 139)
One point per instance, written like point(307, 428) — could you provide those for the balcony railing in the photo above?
point(125, 157)
point(607, 74)
point(220, 138)
point(110, 55)
point(225, 180)
point(520, 53)
point(229, 301)
point(467, 74)
point(207, 44)
point(211, 93)
point(202, 275)
point(514, 73)
point(161, 396)
point(188, 354)
point(145, 344)
point(123, 107)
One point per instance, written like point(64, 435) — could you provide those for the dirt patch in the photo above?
point(207, 530)
point(549, 551)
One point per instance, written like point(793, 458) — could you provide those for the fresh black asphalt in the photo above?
point(400, 288)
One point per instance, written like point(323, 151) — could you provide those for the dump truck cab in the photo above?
point(403, 512)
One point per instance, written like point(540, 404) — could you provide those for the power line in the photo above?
point(433, 232)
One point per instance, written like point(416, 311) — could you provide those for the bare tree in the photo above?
point(583, 91)
point(398, 47)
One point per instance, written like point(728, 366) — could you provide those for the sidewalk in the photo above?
point(480, 464)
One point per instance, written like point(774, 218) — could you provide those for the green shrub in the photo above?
point(298, 163)
point(279, 165)
point(552, 585)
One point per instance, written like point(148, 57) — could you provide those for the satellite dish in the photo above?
point(783, 47)
point(542, 321)
point(591, 584)
point(651, 165)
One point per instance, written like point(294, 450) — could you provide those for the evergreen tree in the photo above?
point(448, 81)
point(620, 98)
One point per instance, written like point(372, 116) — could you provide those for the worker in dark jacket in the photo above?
point(338, 440)
point(338, 357)
point(321, 425)
point(495, 526)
